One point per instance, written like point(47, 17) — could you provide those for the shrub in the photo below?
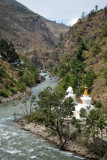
point(3, 93)
point(37, 117)
point(63, 69)
point(79, 38)
point(55, 70)
point(21, 86)
point(105, 75)
point(3, 72)
point(7, 51)
point(20, 73)
point(105, 56)
point(91, 14)
point(13, 90)
point(89, 78)
point(98, 104)
point(105, 10)
point(104, 30)
point(96, 49)
point(27, 79)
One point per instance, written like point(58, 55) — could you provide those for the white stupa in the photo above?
point(85, 103)
point(70, 93)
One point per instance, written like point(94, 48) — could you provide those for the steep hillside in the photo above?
point(93, 31)
point(16, 78)
point(16, 73)
point(32, 35)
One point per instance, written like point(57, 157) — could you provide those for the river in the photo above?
point(17, 144)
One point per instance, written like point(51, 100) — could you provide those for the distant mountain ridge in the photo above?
point(32, 35)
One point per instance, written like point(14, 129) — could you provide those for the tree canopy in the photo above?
point(52, 111)
point(7, 51)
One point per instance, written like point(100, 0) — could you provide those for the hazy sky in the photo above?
point(66, 11)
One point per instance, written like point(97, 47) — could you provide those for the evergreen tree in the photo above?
point(89, 78)
point(105, 75)
point(7, 51)
point(52, 111)
point(83, 15)
point(96, 8)
point(78, 64)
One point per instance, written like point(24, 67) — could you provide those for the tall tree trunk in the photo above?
point(79, 82)
point(101, 138)
point(61, 144)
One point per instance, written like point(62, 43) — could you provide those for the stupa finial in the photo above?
point(86, 91)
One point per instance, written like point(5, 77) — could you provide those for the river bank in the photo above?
point(70, 146)
point(16, 96)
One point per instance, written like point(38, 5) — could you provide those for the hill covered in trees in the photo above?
point(16, 72)
point(81, 56)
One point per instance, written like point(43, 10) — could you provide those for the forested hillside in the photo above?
point(81, 56)
point(16, 72)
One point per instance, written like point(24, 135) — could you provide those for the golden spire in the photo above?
point(86, 91)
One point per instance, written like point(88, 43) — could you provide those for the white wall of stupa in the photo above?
point(85, 102)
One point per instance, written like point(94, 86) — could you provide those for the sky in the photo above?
point(63, 11)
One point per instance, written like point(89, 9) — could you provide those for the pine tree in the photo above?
point(77, 64)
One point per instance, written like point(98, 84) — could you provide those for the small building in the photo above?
point(85, 102)
point(70, 93)
point(22, 62)
point(16, 63)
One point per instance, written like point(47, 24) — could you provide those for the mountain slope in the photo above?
point(16, 73)
point(93, 30)
point(28, 30)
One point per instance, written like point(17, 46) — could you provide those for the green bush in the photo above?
point(105, 56)
point(91, 14)
point(55, 70)
point(89, 78)
point(20, 73)
point(105, 75)
point(96, 49)
point(98, 104)
point(3, 72)
point(13, 90)
point(91, 43)
point(105, 10)
point(101, 152)
point(7, 51)
point(63, 69)
point(79, 38)
point(37, 117)
point(21, 86)
point(104, 30)
point(3, 93)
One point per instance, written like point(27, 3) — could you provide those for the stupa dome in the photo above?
point(70, 93)
point(70, 90)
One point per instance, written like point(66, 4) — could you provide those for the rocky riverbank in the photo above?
point(16, 96)
point(70, 146)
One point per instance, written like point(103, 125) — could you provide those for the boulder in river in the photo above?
point(41, 79)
